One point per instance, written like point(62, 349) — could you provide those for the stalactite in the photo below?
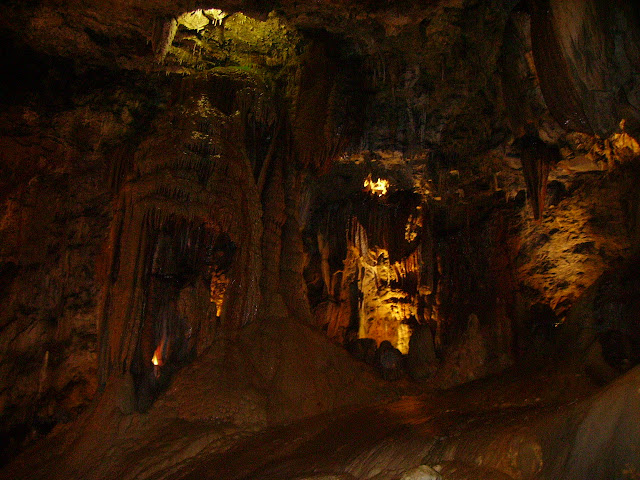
point(317, 140)
point(273, 219)
point(164, 31)
point(292, 265)
point(266, 165)
point(121, 165)
point(323, 248)
point(537, 159)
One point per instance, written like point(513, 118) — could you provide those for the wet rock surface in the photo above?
point(493, 429)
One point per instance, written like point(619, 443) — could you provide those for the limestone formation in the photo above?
point(329, 239)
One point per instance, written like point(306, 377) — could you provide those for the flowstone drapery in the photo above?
point(209, 211)
point(188, 211)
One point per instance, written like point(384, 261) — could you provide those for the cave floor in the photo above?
point(502, 427)
point(468, 432)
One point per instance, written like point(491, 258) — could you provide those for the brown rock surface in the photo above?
point(183, 194)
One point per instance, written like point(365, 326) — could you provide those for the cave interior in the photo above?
point(336, 239)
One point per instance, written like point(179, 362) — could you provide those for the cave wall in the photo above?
point(59, 147)
point(433, 77)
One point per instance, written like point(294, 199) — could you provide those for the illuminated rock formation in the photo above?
point(203, 211)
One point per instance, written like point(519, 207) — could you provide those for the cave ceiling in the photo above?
point(422, 73)
point(118, 32)
point(446, 73)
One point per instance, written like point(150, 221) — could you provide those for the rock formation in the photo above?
point(228, 217)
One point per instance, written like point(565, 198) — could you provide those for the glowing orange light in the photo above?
point(157, 355)
point(379, 187)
